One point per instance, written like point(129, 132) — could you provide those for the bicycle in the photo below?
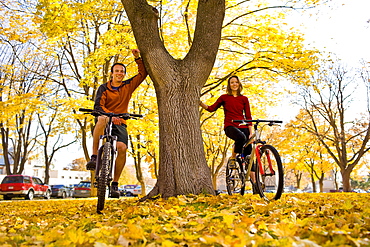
point(106, 154)
point(266, 161)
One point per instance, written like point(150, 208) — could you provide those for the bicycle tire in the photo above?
point(103, 175)
point(235, 179)
point(269, 183)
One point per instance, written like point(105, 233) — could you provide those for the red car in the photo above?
point(24, 186)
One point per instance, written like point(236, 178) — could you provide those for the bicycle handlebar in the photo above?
point(95, 113)
point(257, 121)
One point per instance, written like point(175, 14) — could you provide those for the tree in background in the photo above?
point(326, 102)
point(21, 100)
point(27, 93)
point(87, 38)
point(317, 164)
point(303, 153)
point(77, 165)
point(54, 125)
point(143, 134)
point(287, 143)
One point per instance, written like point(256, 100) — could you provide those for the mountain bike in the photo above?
point(264, 160)
point(106, 154)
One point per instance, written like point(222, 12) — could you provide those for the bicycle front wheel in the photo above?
point(103, 174)
point(269, 173)
point(235, 179)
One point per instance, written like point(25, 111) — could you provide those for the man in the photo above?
point(114, 96)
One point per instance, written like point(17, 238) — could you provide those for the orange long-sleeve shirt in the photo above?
point(110, 100)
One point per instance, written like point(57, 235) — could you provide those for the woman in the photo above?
point(236, 107)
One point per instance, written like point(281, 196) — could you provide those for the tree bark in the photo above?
point(178, 83)
point(346, 177)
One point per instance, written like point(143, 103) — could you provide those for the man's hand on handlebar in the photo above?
point(116, 120)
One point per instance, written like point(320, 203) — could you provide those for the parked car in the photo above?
point(24, 186)
point(127, 190)
point(83, 189)
point(61, 191)
point(137, 190)
point(359, 191)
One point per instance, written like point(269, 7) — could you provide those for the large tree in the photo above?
point(178, 83)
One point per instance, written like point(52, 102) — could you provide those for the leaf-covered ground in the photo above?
point(327, 219)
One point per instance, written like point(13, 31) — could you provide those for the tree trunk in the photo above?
point(183, 168)
point(321, 184)
point(335, 180)
point(346, 175)
point(47, 173)
point(313, 182)
point(321, 178)
point(298, 177)
point(314, 187)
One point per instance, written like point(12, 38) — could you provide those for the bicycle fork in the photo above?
point(267, 154)
point(99, 159)
point(113, 160)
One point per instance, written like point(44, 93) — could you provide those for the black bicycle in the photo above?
point(266, 161)
point(106, 154)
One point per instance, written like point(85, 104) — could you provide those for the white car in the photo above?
point(127, 190)
point(137, 190)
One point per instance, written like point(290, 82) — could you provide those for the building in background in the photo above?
point(57, 176)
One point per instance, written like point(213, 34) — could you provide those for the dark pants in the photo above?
point(240, 136)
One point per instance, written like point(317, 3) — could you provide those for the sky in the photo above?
point(340, 27)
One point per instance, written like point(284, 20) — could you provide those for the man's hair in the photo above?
point(111, 69)
point(228, 89)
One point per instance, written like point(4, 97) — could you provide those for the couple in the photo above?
point(114, 96)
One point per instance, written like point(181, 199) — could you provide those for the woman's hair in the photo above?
point(228, 89)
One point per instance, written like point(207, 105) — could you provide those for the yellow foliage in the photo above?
point(295, 220)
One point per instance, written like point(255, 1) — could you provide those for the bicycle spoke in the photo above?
point(235, 181)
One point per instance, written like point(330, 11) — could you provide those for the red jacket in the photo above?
point(116, 101)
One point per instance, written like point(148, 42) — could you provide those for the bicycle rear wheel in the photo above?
point(235, 179)
point(103, 174)
point(269, 173)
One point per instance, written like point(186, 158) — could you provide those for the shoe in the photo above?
point(232, 163)
point(91, 165)
point(114, 193)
